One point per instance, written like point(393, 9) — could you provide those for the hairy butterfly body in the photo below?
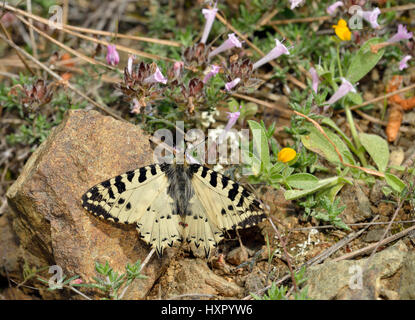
point(172, 203)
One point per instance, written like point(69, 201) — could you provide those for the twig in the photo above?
point(17, 52)
point(353, 224)
point(371, 247)
point(286, 112)
point(398, 208)
point(228, 25)
point(92, 31)
point(59, 78)
point(65, 47)
point(380, 98)
point(32, 35)
point(324, 18)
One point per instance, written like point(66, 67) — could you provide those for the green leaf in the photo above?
point(377, 148)
point(318, 143)
point(394, 182)
point(325, 183)
point(355, 97)
point(261, 141)
point(364, 61)
point(302, 181)
point(333, 125)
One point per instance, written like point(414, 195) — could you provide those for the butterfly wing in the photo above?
point(140, 197)
point(218, 204)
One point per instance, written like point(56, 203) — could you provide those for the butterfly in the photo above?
point(173, 203)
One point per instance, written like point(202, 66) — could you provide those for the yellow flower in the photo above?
point(342, 30)
point(286, 155)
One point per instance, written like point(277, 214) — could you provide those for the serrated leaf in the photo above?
point(363, 61)
point(377, 148)
point(302, 181)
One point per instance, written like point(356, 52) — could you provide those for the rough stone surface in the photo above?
point(193, 276)
point(51, 225)
point(331, 280)
point(374, 235)
point(357, 203)
point(237, 256)
point(407, 283)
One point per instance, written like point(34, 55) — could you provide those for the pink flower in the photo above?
point(403, 63)
point(230, 85)
point(331, 10)
point(402, 34)
point(210, 15)
point(232, 118)
point(112, 55)
point(278, 50)
point(8, 19)
point(230, 43)
point(177, 68)
point(295, 3)
point(156, 77)
point(372, 17)
point(77, 281)
point(214, 69)
point(344, 89)
point(315, 79)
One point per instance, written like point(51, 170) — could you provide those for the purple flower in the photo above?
point(403, 63)
point(402, 34)
point(331, 10)
point(344, 89)
point(156, 77)
point(315, 79)
point(214, 69)
point(273, 54)
point(230, 43)
point(230, 85)
point(112, 55)
point(210, 15)
point(232, 118)
point(295, 3)
point(372, 17)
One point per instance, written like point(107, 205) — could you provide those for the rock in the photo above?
point(376, 193)
point(396, 157)
point(237, 256)
point(255, 281)
point(357, 204)
point(374, 235)
point(193, 276)
point(407, 285)
point(50, 223)
point(346, 280)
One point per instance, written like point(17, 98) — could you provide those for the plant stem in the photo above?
point(338, 60)
point(355, 136)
